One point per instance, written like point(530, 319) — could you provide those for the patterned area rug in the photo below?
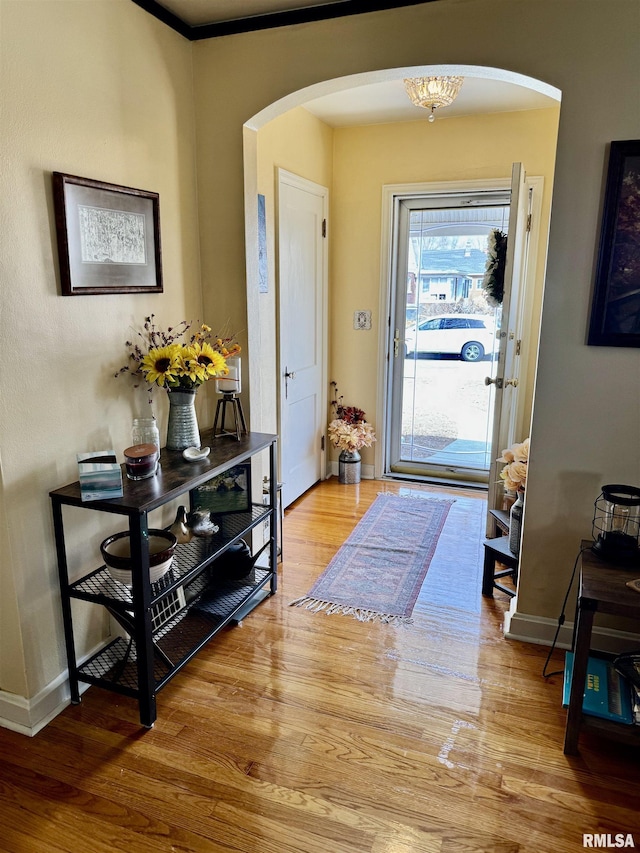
point(377, 574)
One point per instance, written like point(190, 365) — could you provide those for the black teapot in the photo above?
point(236, 563)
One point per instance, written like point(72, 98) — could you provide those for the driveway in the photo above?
point(444, 401)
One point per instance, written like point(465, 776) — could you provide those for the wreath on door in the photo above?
point(493, 281)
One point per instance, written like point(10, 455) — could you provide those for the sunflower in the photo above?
point(161, 365)
point(201, 361)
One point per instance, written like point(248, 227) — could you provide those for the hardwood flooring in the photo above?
point(305, 733)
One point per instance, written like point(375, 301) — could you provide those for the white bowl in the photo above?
point(116, 553)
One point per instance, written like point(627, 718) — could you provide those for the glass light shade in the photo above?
point(232, 382)
point(616, 524)
point(433, 92)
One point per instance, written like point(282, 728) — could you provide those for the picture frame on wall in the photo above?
point(108, 237)
point(615, 311)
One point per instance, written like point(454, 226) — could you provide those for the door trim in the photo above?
point(283, 176)
point(391, 194)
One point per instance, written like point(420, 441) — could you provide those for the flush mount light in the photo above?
point(433, 92)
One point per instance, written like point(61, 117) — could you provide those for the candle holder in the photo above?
point(616, 524)
point(229, 387)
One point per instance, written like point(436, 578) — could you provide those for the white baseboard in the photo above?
point(541, 630)
point(29, 716)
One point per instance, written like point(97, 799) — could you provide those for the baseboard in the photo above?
point(29, 716)
point(541, 631)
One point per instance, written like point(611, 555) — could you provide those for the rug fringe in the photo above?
point(428, 496)
point(316, 605)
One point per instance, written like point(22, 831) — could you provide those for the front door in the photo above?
point(507, 378)
point(444, 335)
point(302, 275)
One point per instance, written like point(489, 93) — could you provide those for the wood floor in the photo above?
point(305, 733)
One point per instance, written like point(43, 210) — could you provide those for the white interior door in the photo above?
point(506, 380)
point(302, 262)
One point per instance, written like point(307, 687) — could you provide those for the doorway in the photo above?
point(440, 400)
point(356, 274)
point(302, 298)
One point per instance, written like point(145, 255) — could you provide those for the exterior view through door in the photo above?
point(445, 336)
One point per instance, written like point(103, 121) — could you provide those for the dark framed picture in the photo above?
point(108, 237)
point(229, 492)
point(615, 313)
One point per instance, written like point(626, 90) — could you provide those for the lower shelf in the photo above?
point(115, 666)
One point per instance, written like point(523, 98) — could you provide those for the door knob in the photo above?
point(288, 374)
point(497, 381)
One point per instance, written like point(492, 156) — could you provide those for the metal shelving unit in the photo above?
point(167, 622)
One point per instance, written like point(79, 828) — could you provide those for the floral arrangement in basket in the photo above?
point(514, 473)
point(493, 281)
point(349, 431)
point(177, 358)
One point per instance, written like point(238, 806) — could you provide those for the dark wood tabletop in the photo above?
point(604, 587)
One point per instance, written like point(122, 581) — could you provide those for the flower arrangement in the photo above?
point(349, 431)
point(493, 281)
point(514, 473)
point(175, 359)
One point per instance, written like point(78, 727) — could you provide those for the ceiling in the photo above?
point(199, 19)
point(377, 102)
point(380, 103)
point(198, 12)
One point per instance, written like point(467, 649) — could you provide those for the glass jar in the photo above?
point(145, 431)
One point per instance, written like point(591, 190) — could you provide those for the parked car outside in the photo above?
point(471, 336)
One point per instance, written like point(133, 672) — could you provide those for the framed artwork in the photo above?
point(108, 237)
point(263, 274)
point(615, 312)
point(229, 492)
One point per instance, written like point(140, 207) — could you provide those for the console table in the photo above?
point(165, 620)
point(602, 589)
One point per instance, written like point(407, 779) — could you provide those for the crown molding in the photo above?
point(309, 14)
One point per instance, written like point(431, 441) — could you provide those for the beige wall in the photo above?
point(367, 158)
point(102, 90)
point(588, 399)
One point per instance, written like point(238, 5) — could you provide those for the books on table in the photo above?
point(607, 693)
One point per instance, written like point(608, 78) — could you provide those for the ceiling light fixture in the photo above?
point(433, 92)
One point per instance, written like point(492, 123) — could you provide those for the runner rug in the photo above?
point(377, 574)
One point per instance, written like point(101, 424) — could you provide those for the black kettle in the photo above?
point(237, 562)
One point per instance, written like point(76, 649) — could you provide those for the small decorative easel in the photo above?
point(238, 416)
point(230, 386)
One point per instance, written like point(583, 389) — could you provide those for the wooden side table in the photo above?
point(603, 589)
point(497, 550)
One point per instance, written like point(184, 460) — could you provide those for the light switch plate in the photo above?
point(362, 320)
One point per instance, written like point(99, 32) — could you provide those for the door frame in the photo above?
point(391, 193)
point(283, 176)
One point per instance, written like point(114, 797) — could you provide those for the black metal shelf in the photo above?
point(166, 623)
point(115, 666)
point(189, 559)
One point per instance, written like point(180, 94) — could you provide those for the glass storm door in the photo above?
point(446, 337)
